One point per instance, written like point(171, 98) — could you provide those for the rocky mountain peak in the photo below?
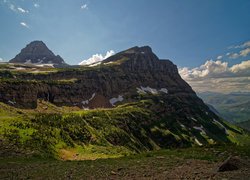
point(37, 52)
point(136, 49)
point(37, 47)
point(141, 59)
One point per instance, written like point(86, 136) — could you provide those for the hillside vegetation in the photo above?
point(76, 134)
point(234, 107)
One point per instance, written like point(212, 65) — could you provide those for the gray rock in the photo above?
point(37, 52)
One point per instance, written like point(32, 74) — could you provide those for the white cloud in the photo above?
point(245, 52)
point(1, 59)
point(218, 76)
point(21, 10)
point(243, 67)
point(12, 7)
point(210, 68)
point(36, 5)
point(246, 44)
point(219, 57)
point(97, 58)
point(242, 53)
point(24, 24)
point(243, 45)
point(234, 55)
point(84, 6)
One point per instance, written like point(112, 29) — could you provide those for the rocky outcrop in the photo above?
point(37, 53)
point(230, 164)
point(142, 59)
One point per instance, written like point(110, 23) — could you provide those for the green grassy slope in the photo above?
point(102, 133)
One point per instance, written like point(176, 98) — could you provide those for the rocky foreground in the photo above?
point(191, 163)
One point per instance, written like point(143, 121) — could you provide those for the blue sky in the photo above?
point(188, 32)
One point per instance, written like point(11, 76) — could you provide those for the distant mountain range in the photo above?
point(245, 125)
point(234, 107)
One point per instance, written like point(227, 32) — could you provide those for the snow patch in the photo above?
point(11, 102)
point(147, 89)
point(111, 62)
point(93, 95)
point(115, 100)
point(95, 64)
point(198, 142)
point(140, 91)
point(201, 129)
point(88, 100)
point(217, 122)
point(28, 61)
point(39, 63)
point(43, 65)
point(144, 90)
point(182, 126)
point(194, 119)
point(85, 102)
point(20, 68)
point(164, 90)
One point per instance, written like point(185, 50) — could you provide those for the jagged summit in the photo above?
point(136, 49)
point(141, 59)
point(37, 52)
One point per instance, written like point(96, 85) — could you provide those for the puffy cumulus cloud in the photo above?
point(219, 57)
point(243, 45)
point(12, 7)
point(218, 76)
point(84, 6)
point(209, 69)
point(242, 53)
point(97, 58)
point(24, 24)
point(233, 55)
point(222, 85)
point(21, 10)
point(243, 68)
point(245, 52)
point(36, 5)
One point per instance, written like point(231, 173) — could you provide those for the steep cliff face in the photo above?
point(37, 53)
point(126, 75)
